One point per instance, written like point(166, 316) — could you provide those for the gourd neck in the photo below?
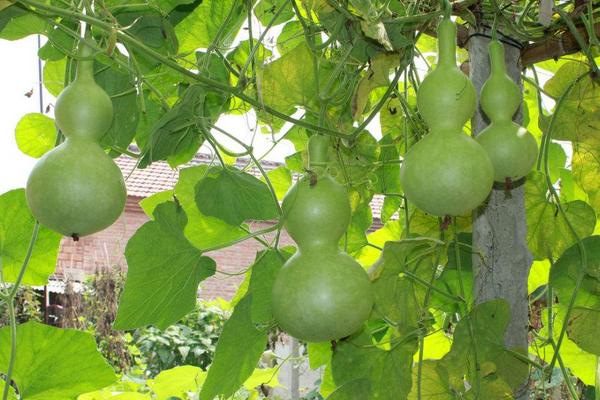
point(497, 63)
point(446, 43)
point(318, 152)
point(85, 64)
point(318, 245)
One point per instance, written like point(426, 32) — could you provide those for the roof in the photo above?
point(159, 176)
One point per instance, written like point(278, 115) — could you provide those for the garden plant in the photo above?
point(476, 121)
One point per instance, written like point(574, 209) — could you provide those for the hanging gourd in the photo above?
point(321, 293)
point(512, 149)
point(447, 172)
point(76, 188)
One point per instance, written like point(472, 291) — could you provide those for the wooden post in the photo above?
point(499, 229)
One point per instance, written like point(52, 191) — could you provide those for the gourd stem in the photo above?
point(447, 42)
point(318, 148)
point(497, 63)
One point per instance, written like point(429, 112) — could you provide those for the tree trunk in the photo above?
point(499, 229)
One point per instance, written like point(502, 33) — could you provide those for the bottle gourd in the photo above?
point(76, 188)
point(321, 293)
point(512, 149)
point(447, 172)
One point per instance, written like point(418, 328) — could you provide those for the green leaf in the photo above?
point(265, 11)
point(281, 179)
point(391, 204)
point(238, 350)
point(578, 119)
point(54, 76)
point(234, 196)
point(264, 271)
point(59, 43)
point(16, 23)
point(118, 84)
point(54, 363)
point(152, 29)
point(150, 203)
point(5, 3)
point(388, 173)
point(35, 134)
point(289, 81)
point(548, 234)
point(165, 6)
point(319, 354)
point(489, 321)
point(383, 374)
point(556, 160)
point(434, 382)
point(163, 274)
point(211, 18)
point(396, 296)
point(586, 170)
point(376, 76)
point(291, 36)
point(176, 382)
point(178, 134)
point(16, 228)
point(584, 321)
point(581, 363)
point(202, 231)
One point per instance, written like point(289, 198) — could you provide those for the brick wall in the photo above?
point(77, 259)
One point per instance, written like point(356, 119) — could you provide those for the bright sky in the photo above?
point(17, 77)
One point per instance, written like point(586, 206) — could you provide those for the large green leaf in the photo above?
point(176, 382)
point(396, 296)
point(16, 23)
point(434, 383)
point(211, 20)
point(289, 81)
point(16, 228)
point(152, 29)
point(389, 171)
point(54, 76)
point(35, 134)
point(580, 363)
point(578, 118)
point(585, 167)
point(488, 322)
point(548, 234)
point(165, 6)
point(178, 134)
point(584, 321)
point(202, 231)
point(373, 371)
point(264, 271)
point(118, 83)
point(53, 363)
point(238, 350)
point(234, 196)
point(265, 11)
point(163, 274)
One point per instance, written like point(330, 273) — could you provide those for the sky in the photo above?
point(17, 77)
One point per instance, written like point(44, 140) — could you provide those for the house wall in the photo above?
point(106, 248)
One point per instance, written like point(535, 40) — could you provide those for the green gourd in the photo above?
point(321, 293)
point(76, 188)
point(447, 172)
point(512, 149)
point(446, 98)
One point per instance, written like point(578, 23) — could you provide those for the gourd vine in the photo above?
point(370, 233)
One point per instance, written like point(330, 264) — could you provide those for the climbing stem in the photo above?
point(465, 311)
